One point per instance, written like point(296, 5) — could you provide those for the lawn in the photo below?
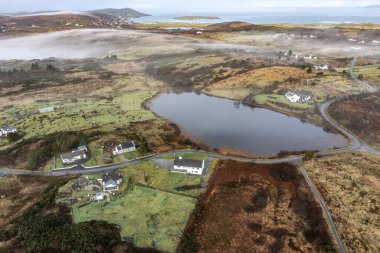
point(370, 73)
point(185, 155)
point(153, 218)
point(78, 114)
point(147, 174)
point(58, 162)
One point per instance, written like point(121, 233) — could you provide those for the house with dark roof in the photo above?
point(74, 156)
point(188, 166)
point(125, 147)
point(111, 181)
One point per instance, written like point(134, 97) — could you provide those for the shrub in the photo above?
point(13, 137)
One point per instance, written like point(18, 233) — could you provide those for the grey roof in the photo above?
point(83, 147)
point(126, 145)
point(188, 162)
point(73, 154)
point(8, 128)
point(111, 177)
point(301, 94)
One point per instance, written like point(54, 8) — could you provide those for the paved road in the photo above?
point(80, 169)
point(324, 207)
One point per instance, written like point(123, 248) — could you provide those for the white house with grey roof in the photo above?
point(124, 148)
point(188, 166)
point(297, 97)
point(74, 156)
point(111, 181)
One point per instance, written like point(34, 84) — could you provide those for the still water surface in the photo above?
point(221, 122)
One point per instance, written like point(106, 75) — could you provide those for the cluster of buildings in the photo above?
point(5, 130)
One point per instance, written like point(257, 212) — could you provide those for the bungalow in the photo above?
point(297, 97)
point(73, 156)
point(7, 130)
point(322, 67)
point(111, 181)
point(124, 148)
point(188, 166)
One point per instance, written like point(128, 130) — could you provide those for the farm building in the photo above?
point(111, 181)
point(125, 148)
point(73, 156)
point(188, 166)
point(297, 97)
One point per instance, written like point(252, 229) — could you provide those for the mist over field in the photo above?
point(98, 43)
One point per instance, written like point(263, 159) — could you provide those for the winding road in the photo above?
point(356, 144)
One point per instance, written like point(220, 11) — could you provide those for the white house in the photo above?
point(297, 97)
point(124, 148)
point(73, 156)
point(7, 130)
point(322, 67)
point(199, 32)
point(46, 109)
point(188, 166)
point(111, 181)
point(308, 57)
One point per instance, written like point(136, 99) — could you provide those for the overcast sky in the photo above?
point(155, 6)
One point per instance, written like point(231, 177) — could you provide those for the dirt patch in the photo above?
point(373, 182)
point(256, 208)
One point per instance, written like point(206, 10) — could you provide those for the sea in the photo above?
point(331, 15)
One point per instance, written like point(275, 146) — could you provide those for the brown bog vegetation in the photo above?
point(257, 208)
point(350, 185)
point(360, 114)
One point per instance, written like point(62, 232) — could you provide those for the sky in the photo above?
point(161, 6)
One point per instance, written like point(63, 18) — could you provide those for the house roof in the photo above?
point(8, 128)
point(110, 178)
point(301, 94)
point(84, 147)
point(184, 162)
point(126, 145)
point(73, 154)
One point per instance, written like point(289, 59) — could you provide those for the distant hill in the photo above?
point(373, 6)
point(196, 17)
point(231, 26)
point(126, 13)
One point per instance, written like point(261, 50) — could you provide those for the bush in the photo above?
point(3, 235)
point(13, 137)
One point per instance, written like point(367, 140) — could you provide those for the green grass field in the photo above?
point(146, 173)
point(154, 218)
point(78, 114)
point(184, 155)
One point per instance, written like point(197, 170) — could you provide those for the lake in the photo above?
point(219, 122)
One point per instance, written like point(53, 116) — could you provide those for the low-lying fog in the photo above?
point(98, 43)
